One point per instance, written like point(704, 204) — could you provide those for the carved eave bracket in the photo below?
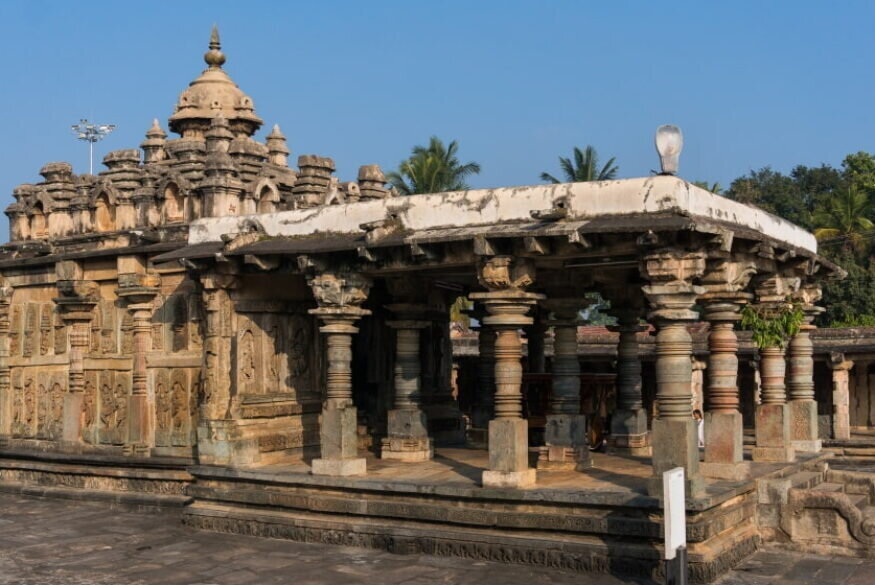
point(671, 292)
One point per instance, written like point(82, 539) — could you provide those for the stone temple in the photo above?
point(269, 348)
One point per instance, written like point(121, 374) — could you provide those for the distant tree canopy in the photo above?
point(838, 205)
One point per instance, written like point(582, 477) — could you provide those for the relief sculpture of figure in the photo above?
point(107, 407)
point(88, 404)
point(162, 407)
point(29, 403)
point(180, 407)
point(247, 357)
point(121, 406)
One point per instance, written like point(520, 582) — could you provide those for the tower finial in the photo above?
point(214, 57)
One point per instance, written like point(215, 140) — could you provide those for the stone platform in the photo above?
point(601, 520)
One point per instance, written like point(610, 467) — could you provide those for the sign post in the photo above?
point(675, 520)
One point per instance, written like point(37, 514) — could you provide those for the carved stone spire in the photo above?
point(153, 146)
point(215, 58)
point(277, 149)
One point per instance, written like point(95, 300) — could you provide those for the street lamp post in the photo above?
point(91, 133)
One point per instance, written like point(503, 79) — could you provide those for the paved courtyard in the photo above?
point(57, 542)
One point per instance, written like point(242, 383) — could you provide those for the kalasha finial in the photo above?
point(215, 57)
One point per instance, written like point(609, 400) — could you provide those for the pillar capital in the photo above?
point(671, 292)
point(775, 289)
point(727, 275)
point(77, 299)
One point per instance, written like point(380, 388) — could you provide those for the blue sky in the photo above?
point(516, 83)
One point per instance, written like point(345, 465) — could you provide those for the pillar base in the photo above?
point(408, 436)
point(803, 426)
point(339, 467)
point(509, 446)
point(773, 434)
point(724, 438)
point(566, 446)
point(807, 446)
point(629, 435)
point(509, 479)
point(338, 433)
point(732, 471)
point(138, 429)
point(72, 425)
point(676, 444)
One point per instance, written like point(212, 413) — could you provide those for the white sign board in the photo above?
point(674, 511)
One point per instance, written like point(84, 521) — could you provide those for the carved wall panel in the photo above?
point(31, 322)
point(275, 359)
point(113, 391)
point(15, 331)
point(42, 405)
point(176, 402)
point(46, 341)
point(37, 403)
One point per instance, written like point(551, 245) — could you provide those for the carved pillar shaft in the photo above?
point(338, 381)
point(841, 419)
point(800, 388)
point(565, 398)
point(629, 368)
point(407, 365)
point(773, 368)
point(508, 373)
point(674, 373)
point(485, 400)
point(722, 393)
point(407, 438)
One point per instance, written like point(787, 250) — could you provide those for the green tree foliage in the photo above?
point(583, 166)
point(838, 205)
point(773, 326)
point(844, 218)
point(433, 169)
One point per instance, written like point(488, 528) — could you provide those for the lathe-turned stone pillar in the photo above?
point(773, 437)
point(800, 383)
point(629, 434)
point(139, 291)
point(724, 428)
point(339, 297)
point(76, 304)
point(566, 446)
point(672, 295)
point(407, 438)
point(725, 281)
point(483, 408)
point(841, 417)
point(5, 388)
point(507, 304)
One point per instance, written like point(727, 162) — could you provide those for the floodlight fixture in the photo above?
point(669, 143)
point(90, 132)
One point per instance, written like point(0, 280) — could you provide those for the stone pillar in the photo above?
point(566, 444)
point(800, 384)
point(407, 438)
point(629, 434)
point(139, 291)
point(773, 439)
point(535, 338)
point(484, 402)
point(724, 427)
point(841, 417)
point(76, 304)
point(339, 297)
point(5, 388)
point(672, 295)
point(507, 305)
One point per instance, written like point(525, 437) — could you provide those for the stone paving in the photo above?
point(57, 542)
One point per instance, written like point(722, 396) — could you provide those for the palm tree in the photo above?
point(585, 167)
point(844, 218)
point(432, 169)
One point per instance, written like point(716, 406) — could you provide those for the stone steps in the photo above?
point(828, 487)
point(805, 479)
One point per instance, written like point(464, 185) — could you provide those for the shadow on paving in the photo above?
point(58, 542)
